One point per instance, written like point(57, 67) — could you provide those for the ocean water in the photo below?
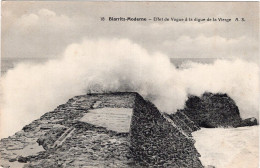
point(178, 61)
point(10, 63)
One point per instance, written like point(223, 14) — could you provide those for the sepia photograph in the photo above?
point(129, 84)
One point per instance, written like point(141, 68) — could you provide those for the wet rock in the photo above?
point(28, 128)
point(47, 140)
point(210, 166)
point(13, 159)
point(212, 110)
point(22, 159)
point(248, 122)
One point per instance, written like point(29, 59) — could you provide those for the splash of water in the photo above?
point(29, 90)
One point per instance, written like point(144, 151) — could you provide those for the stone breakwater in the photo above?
point(156, 140)
point(61, 138)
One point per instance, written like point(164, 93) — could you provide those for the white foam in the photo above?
point(30, 90)
point(228, 148)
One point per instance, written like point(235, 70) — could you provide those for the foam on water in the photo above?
point(228, 148)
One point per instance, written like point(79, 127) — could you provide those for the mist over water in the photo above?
point(29, 90)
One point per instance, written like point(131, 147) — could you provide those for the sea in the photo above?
point(10, 63)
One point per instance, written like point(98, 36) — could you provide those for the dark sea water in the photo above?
point(10, 63)
point(178, 61)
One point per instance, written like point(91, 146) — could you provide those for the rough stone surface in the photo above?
point(157, 141)
point(248, 122)
point(214, 110)
point(115, 119)
point(154, 139)
point(182, 120)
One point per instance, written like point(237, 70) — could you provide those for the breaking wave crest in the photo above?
point(29, 90)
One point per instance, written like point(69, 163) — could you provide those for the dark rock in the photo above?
point(210, 166)
point(212, 110)
point(22, 159)
point(28, 128)
point(248, 122)
point(12, 159)
point(48, 139)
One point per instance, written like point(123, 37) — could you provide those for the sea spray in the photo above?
point(30, 90)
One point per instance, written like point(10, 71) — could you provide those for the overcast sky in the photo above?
point(45, 29)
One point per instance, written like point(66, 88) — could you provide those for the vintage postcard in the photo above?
point(129, 84)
